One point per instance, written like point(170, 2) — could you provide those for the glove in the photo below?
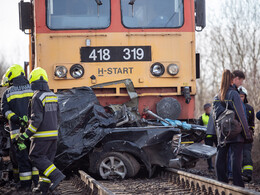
point(23, 121)
point(21, 146)
point(22, 138)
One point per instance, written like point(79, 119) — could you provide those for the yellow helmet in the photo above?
point(14, 71)
point(5, 81)
point(38, 74)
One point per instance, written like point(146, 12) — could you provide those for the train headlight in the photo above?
point(173, 69)
point(61, 71)
point(77, 71)
point(157, 69)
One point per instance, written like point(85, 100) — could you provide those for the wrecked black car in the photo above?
point(116, 144)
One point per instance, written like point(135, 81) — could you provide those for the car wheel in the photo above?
point(134, 162)
point(115, 165)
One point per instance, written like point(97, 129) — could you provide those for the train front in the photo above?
point(89, 42)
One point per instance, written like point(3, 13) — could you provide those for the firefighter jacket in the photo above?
point(44, 113)
point(235, 104)
point(258, 115)
point(250, 113)
point(15, 103)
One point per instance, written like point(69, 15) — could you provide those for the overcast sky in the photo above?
point(14, 44)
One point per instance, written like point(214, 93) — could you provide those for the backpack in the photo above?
point(227, 127)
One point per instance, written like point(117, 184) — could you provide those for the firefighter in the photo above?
point(247, 163)
point(43, 131)
point(258, 115)
point(14, 107)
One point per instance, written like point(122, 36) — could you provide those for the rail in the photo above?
point(170, 181)
point(205, 185)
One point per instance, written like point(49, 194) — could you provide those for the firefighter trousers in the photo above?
point(247, 163)
point(42, 153)
point(13, 159)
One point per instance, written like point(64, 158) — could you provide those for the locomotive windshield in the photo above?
point(152, 13)
point(78, 14)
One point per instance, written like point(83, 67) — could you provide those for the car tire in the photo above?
point(135, 163)
point(115, 165)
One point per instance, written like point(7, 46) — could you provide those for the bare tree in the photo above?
point(232, 42)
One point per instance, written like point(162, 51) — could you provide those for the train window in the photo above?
point(152, 13)
point(78, 14)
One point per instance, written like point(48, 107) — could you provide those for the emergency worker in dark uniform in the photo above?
point(211, 138)
point(247, 163)
point(229, 96)
point(258, 115)
point(43, 131)
point(15, 108)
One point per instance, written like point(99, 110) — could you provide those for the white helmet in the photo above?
point(242, 90)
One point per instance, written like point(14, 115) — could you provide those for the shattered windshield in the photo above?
point(152, 13)
point(78, 14)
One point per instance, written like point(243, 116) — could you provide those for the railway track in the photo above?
point(170, 181)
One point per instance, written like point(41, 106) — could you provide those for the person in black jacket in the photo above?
point(43, 131)
point(258, 115)
point(229, 95)
point(247, 163)
point(238, 80)
point(15, 107)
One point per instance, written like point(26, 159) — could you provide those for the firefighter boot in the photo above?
point(42, 188)
point(56, 180)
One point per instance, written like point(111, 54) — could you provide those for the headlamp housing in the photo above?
point(77, 71)
point(61, 71)
point(173, 69)
point(157, 69)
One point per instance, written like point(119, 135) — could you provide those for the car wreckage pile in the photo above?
point(116, 142)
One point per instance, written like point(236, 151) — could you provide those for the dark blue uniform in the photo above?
point(247, 164)
point(258, 115)
point(43, 131)
point(15, 103)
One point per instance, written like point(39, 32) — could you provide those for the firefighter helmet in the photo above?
point(5, 81)
point(243, 91)
point(38, 74)
point(14, 71)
